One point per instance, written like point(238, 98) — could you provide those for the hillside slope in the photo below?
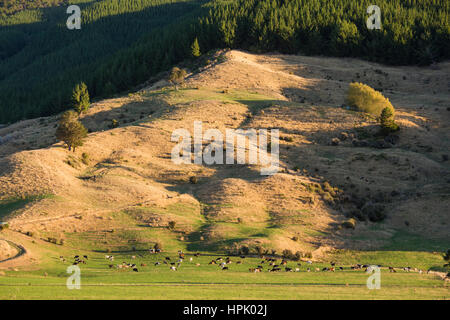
point(131, 186)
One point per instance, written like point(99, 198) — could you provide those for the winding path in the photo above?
point(20, 251)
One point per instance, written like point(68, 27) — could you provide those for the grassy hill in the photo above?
point(122, 196)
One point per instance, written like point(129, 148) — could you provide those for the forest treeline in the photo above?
point(122, 43)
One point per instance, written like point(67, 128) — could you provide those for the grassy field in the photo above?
point(206, 281)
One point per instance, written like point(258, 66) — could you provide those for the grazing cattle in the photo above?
point(288, 269)
point(309, 262)
point(297, 269)
point(180, 261)
point(197, 264)
point(242, 257)
point(332, 264)
point(135, 270)
point(284, 262)
point(168, 258)
point(190, 259)
point(133, 257)
point(152, 250)
point(158, 250)
point(86, 257)
point(143, 265)
point(275, 270)
point(76, 257)
point(225, 268)
point(213, 262)
point(239, 262)
point(325, 269)
point(173, 268)
point(308, 270)
point(157, 263)
point(197, 254)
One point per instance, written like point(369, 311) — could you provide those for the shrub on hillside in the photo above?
point(85, 158)
point(193, 180)
point(158, 246)
point(349, 224)
point(245, 250)
point(387, 121)
point(172, 225)
point(176, 76)
point(287, 254)
point(363, 98)
point(70, 130)
point(114, 124)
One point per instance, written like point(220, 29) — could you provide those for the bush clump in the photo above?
point(114, 124)
point(387, 121)
point(287, 254)
point(349, 224)
point(193, 180)
point(172, 225)
point(157, 246)
point(85, 158)
point(363, 98)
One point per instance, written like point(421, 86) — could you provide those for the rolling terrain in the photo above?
point(119, 191)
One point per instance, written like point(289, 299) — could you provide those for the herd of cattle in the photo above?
point(268, 264)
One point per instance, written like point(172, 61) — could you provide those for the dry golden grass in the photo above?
point(130, 167)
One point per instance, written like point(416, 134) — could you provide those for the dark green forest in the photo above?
point(122, 43)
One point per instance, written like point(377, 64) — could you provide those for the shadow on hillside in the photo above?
point(136, 113)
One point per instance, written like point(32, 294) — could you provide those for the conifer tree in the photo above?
point(195, 49)
point(80, 98)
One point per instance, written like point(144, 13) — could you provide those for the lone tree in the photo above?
point(387, 120)
point(70, 130)
point(80, 98)
point(195, 49)
point(176, 76)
